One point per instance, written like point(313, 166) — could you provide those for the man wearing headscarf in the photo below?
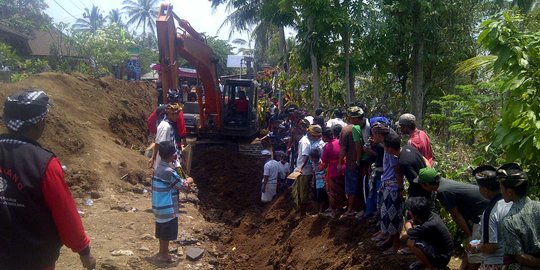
point(37, 214)
point(521, 227)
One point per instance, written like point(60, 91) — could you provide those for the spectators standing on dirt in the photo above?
point(301, 189)
point(491, 243)
point(465, 205)
point(428, 237)
point(38, 212)
point(335, 182)
point(270, 177)
point(521, 227)
point(417, 138)
point(165, 132)
point(165, 204)
point(348, 155)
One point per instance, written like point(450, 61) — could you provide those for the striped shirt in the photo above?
point(165, 185)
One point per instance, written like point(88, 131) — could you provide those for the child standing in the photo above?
point(165, 185)
point(319, 173)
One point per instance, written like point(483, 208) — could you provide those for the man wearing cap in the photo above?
point(491, 244)
point(521, 227)
point(38, 213)
point(301, 189)
point(350, 151)
point(464, 203)
point(417, 138)
point(270, 177)
point(165, 132)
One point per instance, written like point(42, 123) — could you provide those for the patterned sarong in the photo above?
point(391, 212)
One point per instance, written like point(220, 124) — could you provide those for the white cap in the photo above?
point(266, 152)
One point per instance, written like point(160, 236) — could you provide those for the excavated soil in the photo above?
point(97, 129)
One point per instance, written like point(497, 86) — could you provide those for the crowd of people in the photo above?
point(356, 167)
point(385, 174)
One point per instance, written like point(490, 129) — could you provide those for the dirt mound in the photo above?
point(94, 125)
point(274, 239)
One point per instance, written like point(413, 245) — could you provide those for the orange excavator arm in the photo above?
point(191, 46)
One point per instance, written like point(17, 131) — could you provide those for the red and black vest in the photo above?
point(28, 236)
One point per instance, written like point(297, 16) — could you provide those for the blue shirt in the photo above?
point(165, 185)
point(389, 174)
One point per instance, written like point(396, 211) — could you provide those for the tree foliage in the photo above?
point(142, 12)
point(517, 66)
point(91, 21)
point(24, 15)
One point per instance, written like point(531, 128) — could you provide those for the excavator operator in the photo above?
point(241, 104)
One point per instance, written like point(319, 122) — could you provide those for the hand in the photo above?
point(88, 261)
point(189, 180)
point(151, 163)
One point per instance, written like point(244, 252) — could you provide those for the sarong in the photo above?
point(336, 192)
point(301, 189)
point(391, 212)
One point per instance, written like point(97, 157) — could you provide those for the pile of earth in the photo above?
point(96, 127)
point(268, 236)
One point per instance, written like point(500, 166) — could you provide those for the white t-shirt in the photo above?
point(164, 133)
point(498, 212)
point(335, 121)
point(304, 149)
point(272, 169)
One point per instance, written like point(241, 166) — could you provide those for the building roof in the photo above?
point(39, 44)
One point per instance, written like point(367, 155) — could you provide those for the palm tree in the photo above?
point(115, 16)
point(142, 11)
point(92, 20)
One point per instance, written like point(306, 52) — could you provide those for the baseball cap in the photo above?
point(427, 175)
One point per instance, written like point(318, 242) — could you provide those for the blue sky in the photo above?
point(197, 12)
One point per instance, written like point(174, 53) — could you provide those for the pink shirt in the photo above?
point(420, 140)
point(330, 157)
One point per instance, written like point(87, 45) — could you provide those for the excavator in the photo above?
point(228, 109)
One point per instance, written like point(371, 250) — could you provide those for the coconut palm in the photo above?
point(115, 16)
point(142, 12)
point(92, 20)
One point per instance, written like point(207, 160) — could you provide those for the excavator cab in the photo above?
point(239, 99)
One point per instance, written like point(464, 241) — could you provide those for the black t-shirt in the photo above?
point(410, 163)
point(435, 233)
point(465, 197)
